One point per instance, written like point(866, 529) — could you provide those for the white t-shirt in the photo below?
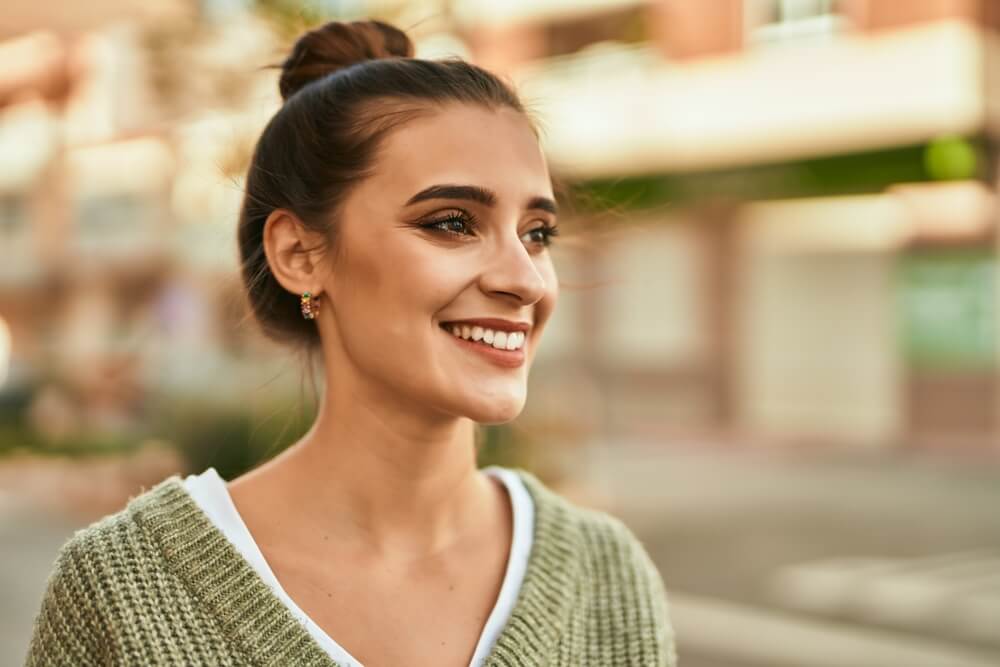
point(210, 493)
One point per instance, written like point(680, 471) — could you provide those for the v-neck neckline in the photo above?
point(213, 497)
point(267, 632)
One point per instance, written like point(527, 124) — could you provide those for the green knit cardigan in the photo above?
point(158, 584)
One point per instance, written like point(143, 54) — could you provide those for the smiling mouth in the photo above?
point(498, 339)
point(510, 355)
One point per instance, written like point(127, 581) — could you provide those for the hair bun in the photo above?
point(339, 44)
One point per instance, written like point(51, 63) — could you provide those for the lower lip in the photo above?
point(504, 358)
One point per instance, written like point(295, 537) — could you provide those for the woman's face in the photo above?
point(447, 234)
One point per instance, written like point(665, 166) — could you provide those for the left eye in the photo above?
point(542, 234)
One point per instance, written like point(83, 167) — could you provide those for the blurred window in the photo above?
point(115, 224)
point(12, 219)
point(777, 21)
point(948, 309)
point(17, 241)
point(651, 305)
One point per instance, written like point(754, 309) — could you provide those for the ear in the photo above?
point(293, 252)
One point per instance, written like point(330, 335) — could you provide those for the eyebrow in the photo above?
point(475, 193)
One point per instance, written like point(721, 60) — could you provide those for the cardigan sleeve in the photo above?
point(659, 602)
point(69, 628)
point(651, 601)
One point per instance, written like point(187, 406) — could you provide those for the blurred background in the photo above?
point(775, 353)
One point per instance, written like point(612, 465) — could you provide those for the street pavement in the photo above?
point(816, 560)
point(30, 539)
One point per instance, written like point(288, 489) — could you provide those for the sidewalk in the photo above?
point(772, 546)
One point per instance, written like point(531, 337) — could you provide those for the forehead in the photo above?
point(463, 144)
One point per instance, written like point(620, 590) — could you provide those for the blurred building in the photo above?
point(801, 246)
point(807, 253)
point(124, 133)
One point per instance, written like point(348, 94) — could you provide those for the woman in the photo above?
point(396, 219)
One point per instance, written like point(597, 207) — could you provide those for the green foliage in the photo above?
point(498, 445)
point(16, 438)
point(951, 158)
point(233, 439)
point(948, 158)
point(291, 17)
point(17, 435)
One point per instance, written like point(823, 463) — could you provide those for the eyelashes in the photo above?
point(448, 223)
point(547, 231)
point(463, 223)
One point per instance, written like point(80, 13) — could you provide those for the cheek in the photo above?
point(395, 285)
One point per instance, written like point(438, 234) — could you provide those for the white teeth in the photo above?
point(500, 340)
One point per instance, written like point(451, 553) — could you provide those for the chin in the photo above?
point(498, 411)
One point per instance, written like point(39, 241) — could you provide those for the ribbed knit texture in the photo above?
point(158, 584)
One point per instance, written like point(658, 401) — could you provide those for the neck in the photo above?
point(382, 481)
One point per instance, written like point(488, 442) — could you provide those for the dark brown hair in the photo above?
point(345, 87)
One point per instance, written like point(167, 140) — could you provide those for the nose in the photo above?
point(510, 272)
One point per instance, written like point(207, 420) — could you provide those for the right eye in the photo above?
point(458, 223)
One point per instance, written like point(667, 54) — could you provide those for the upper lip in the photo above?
point(493, 323)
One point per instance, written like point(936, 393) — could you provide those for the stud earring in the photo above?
point(310, 305)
